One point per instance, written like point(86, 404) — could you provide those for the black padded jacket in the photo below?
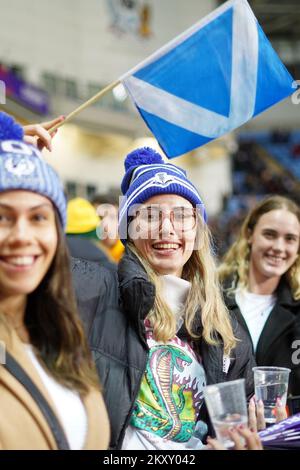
point(113, 307)
point(279, 341)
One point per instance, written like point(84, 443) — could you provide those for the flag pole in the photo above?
point(84, 105)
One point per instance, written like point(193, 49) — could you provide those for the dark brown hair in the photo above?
point(54, 325)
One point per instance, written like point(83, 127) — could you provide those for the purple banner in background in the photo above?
point(2, 92)
point(284, 435)
point(34, 98)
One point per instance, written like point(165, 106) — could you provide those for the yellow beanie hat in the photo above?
point(81, 216)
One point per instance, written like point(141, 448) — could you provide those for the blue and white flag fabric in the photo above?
point(209, 80)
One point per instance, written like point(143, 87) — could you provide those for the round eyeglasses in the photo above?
point(182, 218)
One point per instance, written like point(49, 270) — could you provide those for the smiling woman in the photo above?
point(160, 329)
point(167, 231)
point(28, 241)
point(261, 279)
point(39, 324)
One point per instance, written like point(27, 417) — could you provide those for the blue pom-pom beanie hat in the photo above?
point(147, 175)
point(23, 167)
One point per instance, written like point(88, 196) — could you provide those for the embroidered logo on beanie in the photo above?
point(19, 167)
point(163, 178)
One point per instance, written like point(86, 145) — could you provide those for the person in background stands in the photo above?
point(261, 280)
point(107, 209)
point(81, 230)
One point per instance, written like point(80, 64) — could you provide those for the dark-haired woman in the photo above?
point(39, 327)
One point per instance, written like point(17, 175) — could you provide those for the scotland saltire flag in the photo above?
point(209, 80)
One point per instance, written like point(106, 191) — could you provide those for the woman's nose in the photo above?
point(20, 233)
point(166, 226)
point(279, 244)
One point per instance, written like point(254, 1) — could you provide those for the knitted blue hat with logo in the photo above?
point(23, 167)
point(147, 175)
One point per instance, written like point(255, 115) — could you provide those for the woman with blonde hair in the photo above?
point(49, 391)
point(159, 329)
point(261, 279)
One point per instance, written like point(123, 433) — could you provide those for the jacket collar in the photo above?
point(280, 319)
point(138, 295)
point(284, 295)
point(137, 292)
point(283, 292)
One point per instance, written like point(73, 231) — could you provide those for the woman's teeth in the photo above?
point(165, 246)
point(275, 259)
point(20, 260)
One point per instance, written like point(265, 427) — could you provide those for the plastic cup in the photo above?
point(271, 383)
point(227, 407)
